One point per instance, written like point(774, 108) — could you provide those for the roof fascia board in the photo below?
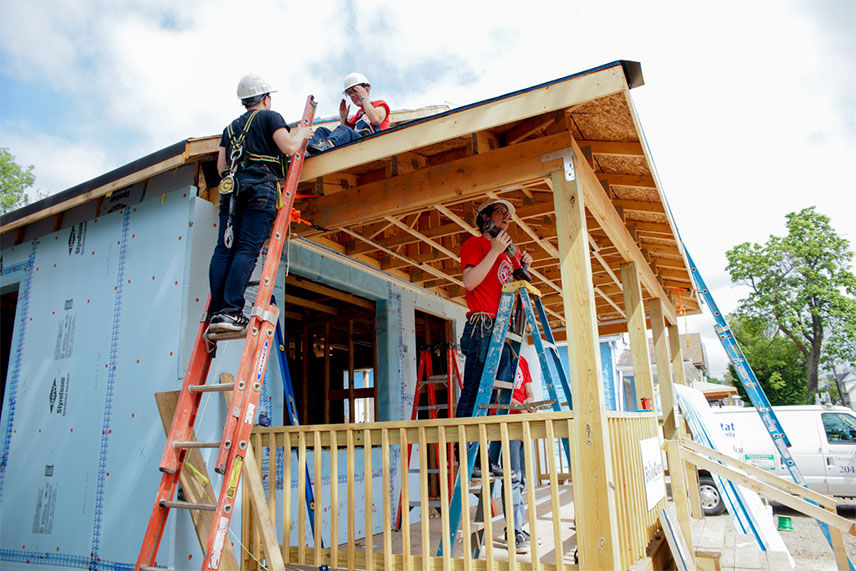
point(473, 118)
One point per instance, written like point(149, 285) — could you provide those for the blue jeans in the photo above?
point(475, 343)
point(231, 268)
point(518, 484)
point(339, 136)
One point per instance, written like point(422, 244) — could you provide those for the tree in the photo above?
point(802, 284)
point(14, 182)
point(776, 361)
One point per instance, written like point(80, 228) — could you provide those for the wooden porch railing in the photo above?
point(345, 506)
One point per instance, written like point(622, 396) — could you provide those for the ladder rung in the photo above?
point(226, 335)
point(431, 503)
point(196, 444)
point(211, 388)
point(432, 407)
point(441, 381)
point(189, 506)
point(438, 378)
point(547, 344)
point(503, 385)
point(147, 568)
point(514, 337)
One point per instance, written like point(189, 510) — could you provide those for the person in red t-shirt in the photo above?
point(372, 116)
point(485, 268)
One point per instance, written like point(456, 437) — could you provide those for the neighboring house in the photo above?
point(847, 387)
point(695, 370)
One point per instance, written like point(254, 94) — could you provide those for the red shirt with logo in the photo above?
point(363, 121)
point(485, 296)
point(521, 379)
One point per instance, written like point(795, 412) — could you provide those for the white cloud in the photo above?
point(748, 107)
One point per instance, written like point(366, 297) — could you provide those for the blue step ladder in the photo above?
point(753, 388)
point(291, 411)
point(496, 392)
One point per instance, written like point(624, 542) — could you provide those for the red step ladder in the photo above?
point(258, 346)
point(427, 381)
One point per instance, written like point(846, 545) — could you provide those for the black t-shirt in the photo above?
point(259, 141)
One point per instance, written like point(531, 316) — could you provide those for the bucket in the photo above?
point(785, 523)
point(646, 404)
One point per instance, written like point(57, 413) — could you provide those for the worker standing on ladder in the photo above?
point(486, 267)
point(251, 161)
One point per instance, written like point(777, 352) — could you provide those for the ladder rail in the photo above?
point(291, 412)
point(245, 393)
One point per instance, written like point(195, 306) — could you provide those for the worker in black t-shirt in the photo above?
point(251, 161)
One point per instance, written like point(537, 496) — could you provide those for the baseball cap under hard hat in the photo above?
point(494, 202)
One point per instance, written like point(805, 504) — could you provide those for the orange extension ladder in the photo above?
point(426, 380)
point(258, 346)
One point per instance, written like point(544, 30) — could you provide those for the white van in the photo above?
point(823, 444)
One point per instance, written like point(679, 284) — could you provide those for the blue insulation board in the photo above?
point(99, 321)
point(106, 315)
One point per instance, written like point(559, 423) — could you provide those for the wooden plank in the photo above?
point(664, 368)
point(253, 481)
point(620, 179)
point(773, 493)
point(594, 496)
point(405, 498)
point(558, 545)
point(530, 498)
point(678, 475)
point(471, 119)
point(508, 507)
point(763, 475)
point(369, 502)
point(387, 507)
point(286, 495)
point(746, 553)
point(636, 332)
point(613, 148)
point(681, 554)
point(334, 497)
point(197, 488)
point(839, 551)
point(677, 355)
point(466, 538)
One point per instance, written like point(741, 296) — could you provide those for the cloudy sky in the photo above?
point(749, 107)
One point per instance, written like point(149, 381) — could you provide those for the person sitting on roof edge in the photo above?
point(248, 201)
point(371, 117)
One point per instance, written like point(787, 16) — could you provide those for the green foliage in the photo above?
point(775, 360)
point(802, 284)
point(14, 182)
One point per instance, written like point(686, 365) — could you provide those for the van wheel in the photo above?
point(711, 500)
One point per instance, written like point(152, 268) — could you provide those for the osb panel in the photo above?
point(649, 216)
point(606, 119)
point(635, 193)
point(622, 164)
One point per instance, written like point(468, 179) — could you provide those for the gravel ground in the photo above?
point(806, 543)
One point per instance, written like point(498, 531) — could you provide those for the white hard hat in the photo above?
point(355, 79)
point(492, 202)
point(253, 85)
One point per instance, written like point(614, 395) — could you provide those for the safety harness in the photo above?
point(239, 159)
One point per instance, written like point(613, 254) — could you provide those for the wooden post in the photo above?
point(664, 373)
point(677, 355)
point(636, 331)
point(594, 488)
point(679, 490)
